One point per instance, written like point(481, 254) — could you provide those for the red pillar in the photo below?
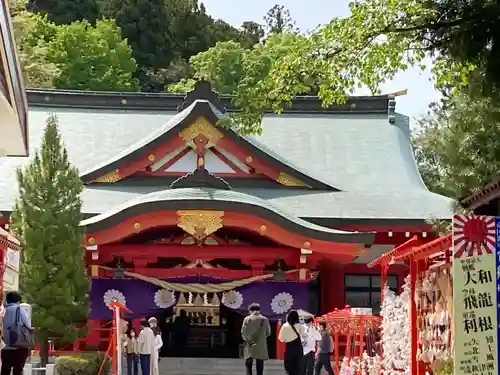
point(336, 353)
point(413, 317)
point(383, 279)
point(93, 332)
point(280, 350)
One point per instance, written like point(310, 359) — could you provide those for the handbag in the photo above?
point(20, 335)
point(304, 343)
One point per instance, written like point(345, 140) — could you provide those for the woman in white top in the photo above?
point(131, 347)
point(158, 343)
point(292, 333)
point(146, 344)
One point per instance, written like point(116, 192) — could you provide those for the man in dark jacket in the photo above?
point(255, 331)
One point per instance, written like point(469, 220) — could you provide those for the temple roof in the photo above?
point(179, 122)
point(357, 158)
point(215, 199)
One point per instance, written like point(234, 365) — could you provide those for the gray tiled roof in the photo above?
point(363, 155)
point(303, 203)
point(216, 196)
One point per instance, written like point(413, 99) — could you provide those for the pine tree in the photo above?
point(46, 219)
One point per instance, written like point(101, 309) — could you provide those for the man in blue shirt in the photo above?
point(13, 359)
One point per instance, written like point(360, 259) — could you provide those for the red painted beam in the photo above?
point(264, 227)
point(225, 160)
point(149, 158)
point(430, 249)
point(249, 159)
point(172, 161)
point(392, 255)
point(204, 253)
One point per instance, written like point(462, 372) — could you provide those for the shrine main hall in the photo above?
point(181, 212)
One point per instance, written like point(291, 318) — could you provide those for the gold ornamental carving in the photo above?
point(287, 180)
point(201, 127)
point(110, 177)
point(200, 224)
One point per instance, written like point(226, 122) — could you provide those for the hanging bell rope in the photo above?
point(197, 287)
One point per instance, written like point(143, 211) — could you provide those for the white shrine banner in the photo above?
point(476, 293)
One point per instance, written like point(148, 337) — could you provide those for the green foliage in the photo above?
point(456, 145)
point(232, 69)
point(145, 25)
point(82, 364)
point(66, 11)
point(194, 31)
point(46, 219)
point(74, 56)
point(371, 46)
point(92, 58)
point(465, 31)
point(278, 20)
point(252, 33)
point(30, 33)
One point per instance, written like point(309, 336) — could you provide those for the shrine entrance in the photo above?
point(203, 338)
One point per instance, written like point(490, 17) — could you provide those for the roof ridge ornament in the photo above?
point(200, 178)
point(202, 91)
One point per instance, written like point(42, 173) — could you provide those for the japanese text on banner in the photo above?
point(474, 301)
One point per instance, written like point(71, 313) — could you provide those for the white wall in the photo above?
point(11, 275)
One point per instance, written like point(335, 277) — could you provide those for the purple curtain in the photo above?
point(145, 299)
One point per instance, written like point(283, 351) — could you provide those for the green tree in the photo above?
point(252, 33)
point(66, 11)
point(379, 39)
point(29, 34)
point(278, 20)
point(46, 219)
point(145, 24)
point(232, 69)
point(92, 58)
point(456, 144)
point(75, 56)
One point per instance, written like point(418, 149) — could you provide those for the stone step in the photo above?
point(213, 366)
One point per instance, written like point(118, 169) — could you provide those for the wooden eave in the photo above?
point(9, 241)
point(429, 249)
point(482, 197)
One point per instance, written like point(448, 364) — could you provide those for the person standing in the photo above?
point(312, 337)
point(13, 358)
point(180, 333)
point(158, 343)
point(132, 352)
point(145, 343)
point(292, 333)
point(255, 330)
point(324, 352)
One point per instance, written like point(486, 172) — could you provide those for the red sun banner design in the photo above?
point(473, 234)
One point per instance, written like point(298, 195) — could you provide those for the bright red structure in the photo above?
point(433, 255)
point(354, 330)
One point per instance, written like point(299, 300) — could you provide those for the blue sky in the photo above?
point(310, 13)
